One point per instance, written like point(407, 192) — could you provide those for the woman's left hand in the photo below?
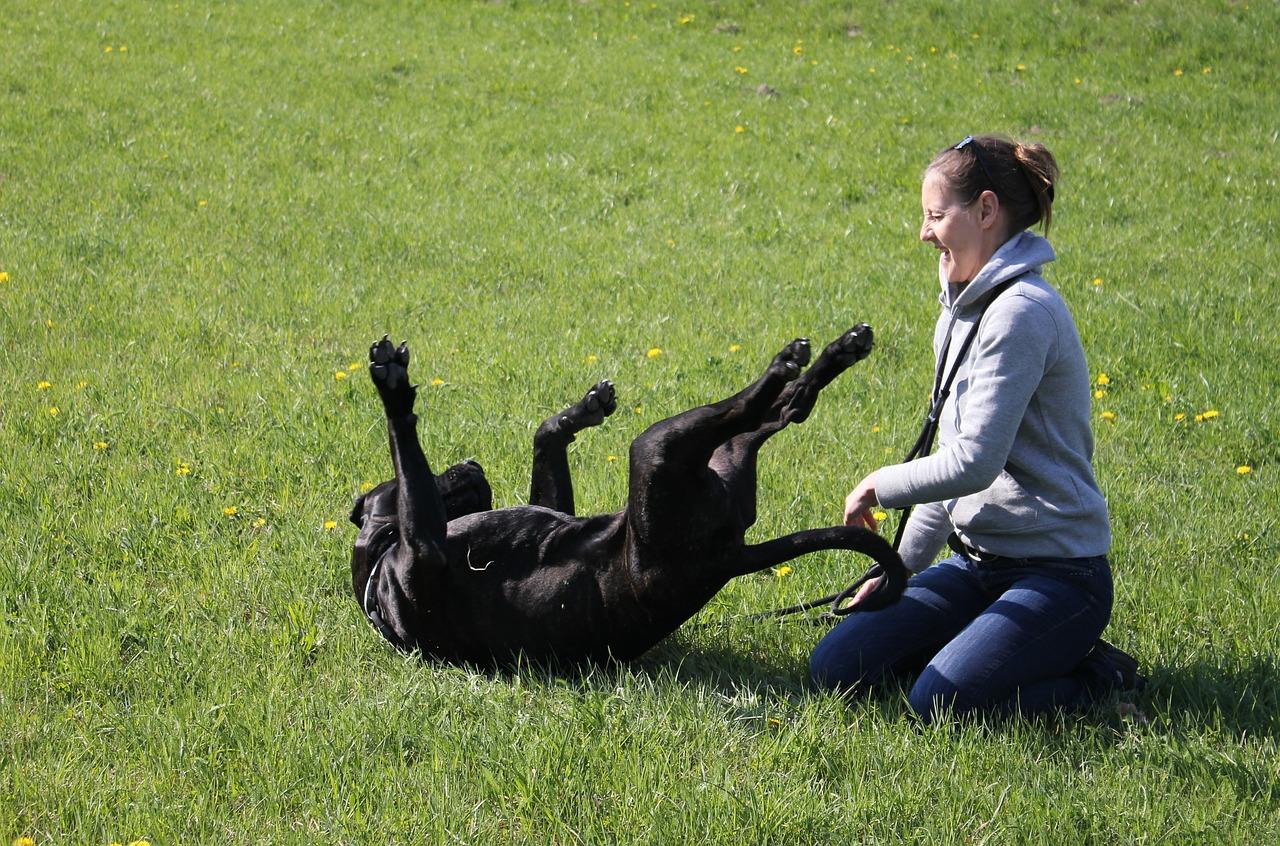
point(859, 504)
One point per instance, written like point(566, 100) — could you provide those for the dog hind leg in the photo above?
point(735, 460)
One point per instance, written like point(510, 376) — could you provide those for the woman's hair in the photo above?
point(1021, 175)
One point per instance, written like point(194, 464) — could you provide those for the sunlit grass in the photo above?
point(208, 211)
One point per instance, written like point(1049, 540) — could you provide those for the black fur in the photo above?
point(463, 583)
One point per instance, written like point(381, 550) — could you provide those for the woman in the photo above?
point(1011, 621)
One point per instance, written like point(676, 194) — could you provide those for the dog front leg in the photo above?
point(419, 507)
point(551, 485)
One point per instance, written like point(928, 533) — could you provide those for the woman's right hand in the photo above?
point(864, 591)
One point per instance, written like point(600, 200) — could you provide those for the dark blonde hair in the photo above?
point(1021, 175)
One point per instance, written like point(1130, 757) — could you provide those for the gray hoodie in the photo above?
point(1012, 473)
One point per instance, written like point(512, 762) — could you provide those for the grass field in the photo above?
point(208, 210)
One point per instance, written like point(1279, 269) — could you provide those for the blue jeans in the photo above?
point(997, 637)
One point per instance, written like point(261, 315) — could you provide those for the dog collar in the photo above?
point(371, 610)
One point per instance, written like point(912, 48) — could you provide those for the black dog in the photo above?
point(437, 571)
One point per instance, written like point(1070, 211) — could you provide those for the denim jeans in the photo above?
point(996, 637)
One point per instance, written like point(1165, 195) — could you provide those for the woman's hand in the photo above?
point(859, 504)
point(867, 588)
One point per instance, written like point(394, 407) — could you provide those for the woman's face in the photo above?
point(963, 233)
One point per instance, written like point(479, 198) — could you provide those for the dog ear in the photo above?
point(357, 511)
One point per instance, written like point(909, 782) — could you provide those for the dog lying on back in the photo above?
point(436, 570)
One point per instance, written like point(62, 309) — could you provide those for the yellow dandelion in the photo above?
point(43, 385)
point(592, 359)
point(100, 444)
point(1020, 67)
point(124, 48)
point(365, 487)
point(81, 385)
point(1104, 379)
point(638, 409)
point(875, 429)
point(54, 411)
point(140, 843)
point(880, 515)
point(108, 49)
point(260, 522)
point(685, 19)
point(330, 525)
point(871, 70)
point(782, 571)
point(48, 324)
point(202, 203)
point(1208, 415)
point(355, 365)
point(1179, 417)
point(611, 458)
point(183, 469)
point(653, 352)
point(23, 841)
point(1077, 80)
point(774, 721)
point(1099, 394)
point(1097, 280)
point(735, 348)
point(739, 69)
point(1108, 416)
point(1244, 469)
point(339, 375)
point(437, 382)
point(1168, 397)
point(739, 129)
point(1177, 71)
point(798, 50)
point(1207, 70)
point(230, 511)
point(4, 276)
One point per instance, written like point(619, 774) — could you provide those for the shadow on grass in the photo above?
point(1239, 699)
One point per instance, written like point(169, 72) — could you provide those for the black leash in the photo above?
point(922, 447)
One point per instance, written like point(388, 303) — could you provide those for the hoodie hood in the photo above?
point(1023, 253)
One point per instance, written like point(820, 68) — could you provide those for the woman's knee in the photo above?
point(830, 667)
point(931, 693)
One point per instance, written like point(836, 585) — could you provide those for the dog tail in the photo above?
point(761, 556)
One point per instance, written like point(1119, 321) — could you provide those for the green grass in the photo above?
point(197, 233)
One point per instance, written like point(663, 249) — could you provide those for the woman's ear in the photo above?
point(988, 210)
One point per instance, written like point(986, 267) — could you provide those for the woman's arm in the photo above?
point(1009, 360)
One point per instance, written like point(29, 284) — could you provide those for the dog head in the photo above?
point(375, 513)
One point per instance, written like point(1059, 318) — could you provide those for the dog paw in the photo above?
point(851, 347)
point(389, 370)
point(793, 357)
point(591, 410)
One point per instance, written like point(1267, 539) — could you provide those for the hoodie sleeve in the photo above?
point(1015, 346)
point(925, 535)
